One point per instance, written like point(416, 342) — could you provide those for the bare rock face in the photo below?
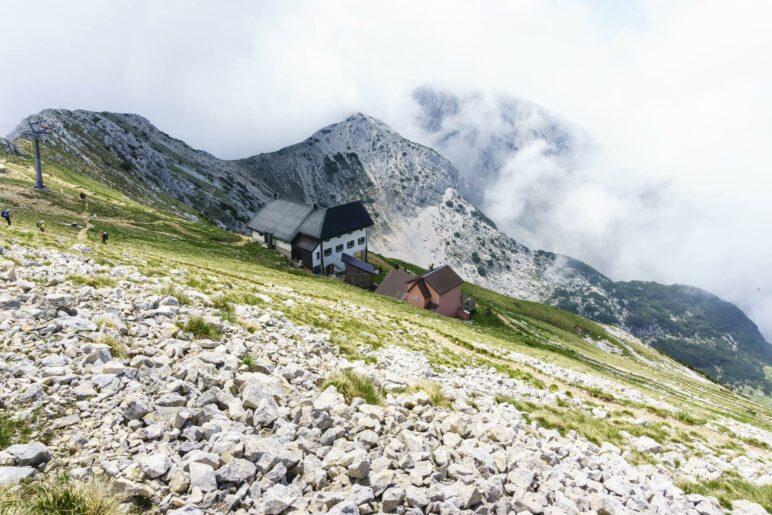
point(187, 426)
point(9, 147)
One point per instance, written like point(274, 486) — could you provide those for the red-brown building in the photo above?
point(438, 290)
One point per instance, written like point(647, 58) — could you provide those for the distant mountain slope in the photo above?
point(696, 327)
point(422, 215)
point(130, 154)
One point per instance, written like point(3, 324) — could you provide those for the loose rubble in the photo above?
point(192, 427)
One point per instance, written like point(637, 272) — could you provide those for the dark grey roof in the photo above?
point(312, 225)
point(281, 218)
point(351, 260)
point(345, 218)
point(442, 279)
point(286, 219)
point(395, 284)
point(306, 242)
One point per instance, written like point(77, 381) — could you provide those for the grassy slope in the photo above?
point(215, 260)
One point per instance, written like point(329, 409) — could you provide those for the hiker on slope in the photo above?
point(41, 225)
point(7, 215)
point(104, 236)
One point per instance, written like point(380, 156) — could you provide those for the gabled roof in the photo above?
point(281, 218)
point(285, 219)
point(345, 218)
point(356, 263)
point(312, 225)
point(395, 284)
point(442, 279)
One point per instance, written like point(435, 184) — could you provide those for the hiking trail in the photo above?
point(83, 233)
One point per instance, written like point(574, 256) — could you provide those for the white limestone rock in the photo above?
point(28, 454)
point(155, 465)
point(9, 475)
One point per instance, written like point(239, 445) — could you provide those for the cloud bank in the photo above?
point(674, 98)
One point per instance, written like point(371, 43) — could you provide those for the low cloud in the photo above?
point(554, 186)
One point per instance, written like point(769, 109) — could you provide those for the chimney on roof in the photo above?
point(275, 195)
point(431, 266)
point(316, 207)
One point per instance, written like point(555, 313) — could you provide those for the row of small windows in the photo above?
point(339, 248)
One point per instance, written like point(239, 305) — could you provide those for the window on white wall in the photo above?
point(327, 252)
point(350, 244)
point(339, 248)
point(361, 241)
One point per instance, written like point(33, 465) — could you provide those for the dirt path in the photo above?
point(18, 194)
point(83, 233)
point(180, 228)
point(244, 241)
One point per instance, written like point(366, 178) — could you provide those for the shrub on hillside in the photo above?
point(200, 328)
point(96, 281)
point(731, 487)
point(434, 391)
point(352, 385)
point(59, 495)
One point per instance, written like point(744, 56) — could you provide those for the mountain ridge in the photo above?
point(421, 216)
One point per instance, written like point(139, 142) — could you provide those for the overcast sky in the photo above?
point(674, 94)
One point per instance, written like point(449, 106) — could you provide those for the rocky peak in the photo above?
point(359, 133)
point(358, 158)
point(361, 119)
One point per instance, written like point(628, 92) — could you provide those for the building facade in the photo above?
point(437, 290)
point(315, 236)
point(329, 253)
